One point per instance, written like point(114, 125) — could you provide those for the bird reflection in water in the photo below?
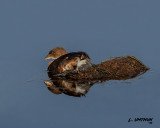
point(69, 87)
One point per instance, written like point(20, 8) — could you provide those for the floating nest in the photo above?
point(118, 68)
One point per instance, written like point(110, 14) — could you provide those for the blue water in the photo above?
point(103, 29)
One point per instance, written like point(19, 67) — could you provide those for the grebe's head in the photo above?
point(56, 53)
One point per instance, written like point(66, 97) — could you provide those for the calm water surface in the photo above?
point(29, 29)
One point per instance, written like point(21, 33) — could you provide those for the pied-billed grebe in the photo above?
point(74, 61)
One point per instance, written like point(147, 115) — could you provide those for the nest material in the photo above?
point(118, 68)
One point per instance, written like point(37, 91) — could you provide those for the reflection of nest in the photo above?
point(78, 83)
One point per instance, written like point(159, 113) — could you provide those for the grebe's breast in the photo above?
point(78, 61)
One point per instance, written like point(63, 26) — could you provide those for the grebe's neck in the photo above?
point(50, 63)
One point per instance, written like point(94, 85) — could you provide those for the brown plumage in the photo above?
point(75, 61)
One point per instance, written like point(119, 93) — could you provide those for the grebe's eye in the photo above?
point(51, 52)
